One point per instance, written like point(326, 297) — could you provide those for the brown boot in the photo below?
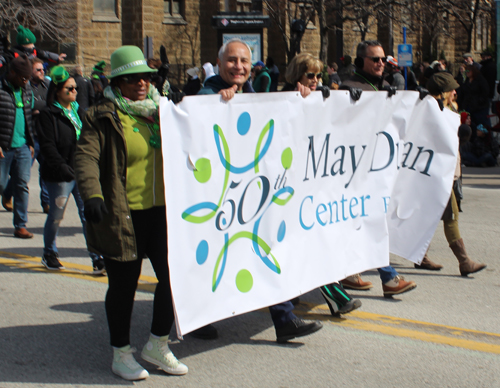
point(428, 264)
point(467, 266)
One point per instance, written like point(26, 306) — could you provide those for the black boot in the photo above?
point(338, 300)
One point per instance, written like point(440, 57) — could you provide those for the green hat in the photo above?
point(441, 82)
point(59, 74)
point(99, 66)
point(24, 36)
point(128, 60)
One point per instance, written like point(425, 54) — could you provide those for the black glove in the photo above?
point(176, 97)
point(354, 92)
point(67, 173)
point(325, 90)
point(391, 90)
point(423, 92)
point(165, 65)
point(94, 210)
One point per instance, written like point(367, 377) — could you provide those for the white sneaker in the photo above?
point(157, 352)
point(125, 365)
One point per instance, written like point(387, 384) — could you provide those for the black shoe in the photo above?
point(297, 328)
point(98, 266)
point(338, 300)
point(207, 332)
point(51, 262)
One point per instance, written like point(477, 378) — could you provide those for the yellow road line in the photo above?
point(357, 320)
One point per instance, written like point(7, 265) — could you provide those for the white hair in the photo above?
point(223, 48)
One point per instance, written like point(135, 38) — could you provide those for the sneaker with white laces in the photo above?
point(157, 352)
point(125, 365)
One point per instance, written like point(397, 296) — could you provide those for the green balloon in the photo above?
point(244, 281)
point(203, 170)
point(286, 158)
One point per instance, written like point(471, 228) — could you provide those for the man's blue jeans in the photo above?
point(58, 199)
point(17, 164)
point(44, 196)
point(387, 273)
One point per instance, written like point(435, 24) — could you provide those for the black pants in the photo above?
point(150, 228)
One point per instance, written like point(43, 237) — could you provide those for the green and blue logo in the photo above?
point(233, 213)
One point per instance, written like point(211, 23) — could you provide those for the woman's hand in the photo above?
point(227, 94)
point(303, 90)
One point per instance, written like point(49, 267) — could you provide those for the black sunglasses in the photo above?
point(377, 59)
point(134, 78)
point(312, 75)
point(71, 88)
point(39, 70)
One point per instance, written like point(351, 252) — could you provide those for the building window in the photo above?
point(105, 7)
point(172, 8)
point(243, 5)
point(173, 12)
point(105, 11)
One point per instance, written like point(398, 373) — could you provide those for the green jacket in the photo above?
point(101, 171)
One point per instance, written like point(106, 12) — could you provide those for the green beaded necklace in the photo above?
point(19, 104)
point(154, 128)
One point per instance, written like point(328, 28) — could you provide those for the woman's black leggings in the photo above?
point(150, 227)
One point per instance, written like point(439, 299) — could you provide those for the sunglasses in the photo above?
point(40, 70)
point(71, 88)
point(134, 78)
point(377, 59)
point(312, 75)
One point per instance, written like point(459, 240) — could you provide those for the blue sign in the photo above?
point(405, 55)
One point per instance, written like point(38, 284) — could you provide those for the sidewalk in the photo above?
point(481, 177)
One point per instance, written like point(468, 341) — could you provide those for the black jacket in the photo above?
point(85, 96)
point(489, 72)
point(57, 138)
point(8, 115)
point(365, 81)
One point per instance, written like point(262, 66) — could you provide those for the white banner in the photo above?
point(272, 195)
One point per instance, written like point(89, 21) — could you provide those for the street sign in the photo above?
point(405, 55)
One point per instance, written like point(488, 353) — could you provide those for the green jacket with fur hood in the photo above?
point(101, 171)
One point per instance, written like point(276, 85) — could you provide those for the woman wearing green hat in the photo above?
point(119, 170)
point(58, 132)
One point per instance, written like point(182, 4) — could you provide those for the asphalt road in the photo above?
point(445, 333)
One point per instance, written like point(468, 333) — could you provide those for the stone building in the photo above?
point(193, 30)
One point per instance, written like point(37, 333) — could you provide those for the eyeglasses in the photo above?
point(40, 70)
point(312, 75)
point(134, 78)
point(71, 88)
point(377, 59)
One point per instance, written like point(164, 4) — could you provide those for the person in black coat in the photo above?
point(60, 124)
point(85, 96)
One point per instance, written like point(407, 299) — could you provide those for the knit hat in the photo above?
point(393, 61)
point(193, 72)
point(481, 128)
point(59, 74)
point(209, 70)
point(24, 36)
point(463, 117)
point(99, 66)
point(128, 60)
point(22, 66)
point(441, 82)
point(259, 63)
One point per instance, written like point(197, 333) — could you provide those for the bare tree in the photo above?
point(332, 14)
point(466, 13)
point(291, 17)
point(51, 18)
